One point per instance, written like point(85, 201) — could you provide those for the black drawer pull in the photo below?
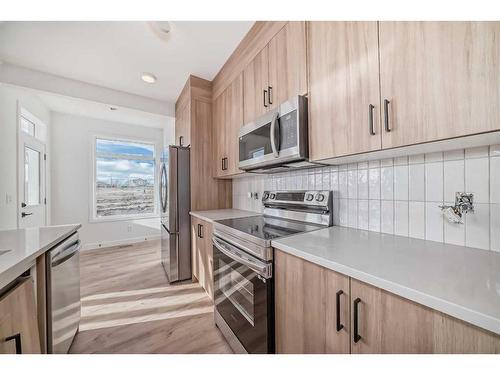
point(17, 338)
point(370, 119)
point(386, 115)
point(356, 335)
point(339, 325)
point(200, 231)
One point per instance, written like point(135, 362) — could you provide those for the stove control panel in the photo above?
point(297, 197)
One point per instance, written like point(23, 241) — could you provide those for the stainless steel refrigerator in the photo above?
point(175, 199)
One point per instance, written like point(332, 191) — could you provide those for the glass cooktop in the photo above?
point(268, 228)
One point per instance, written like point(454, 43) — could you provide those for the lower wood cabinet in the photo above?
point(308, 307)
point(18, 322)
point(312, 307)
point(202, 254)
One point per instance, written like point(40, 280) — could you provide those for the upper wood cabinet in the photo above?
point(18, 322)
point(228, 119)
point(183, 125)
point(307, 297)
point(442, 79)
point(277, 72)
point(255, 86)
point(287, 64)
point(344, 89)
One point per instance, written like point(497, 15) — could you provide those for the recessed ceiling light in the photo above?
point(148, 77)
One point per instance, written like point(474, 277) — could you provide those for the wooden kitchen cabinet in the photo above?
point(255, 86)
point(183, 125)
point(287, 64)
point(344, 89)
point(305, 304)
point(442, 79)
point(228, 119)
point(18, 318)
point(202, 254)
point(391, 324)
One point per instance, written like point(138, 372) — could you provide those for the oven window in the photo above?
point(237, 288)
point(256, 143)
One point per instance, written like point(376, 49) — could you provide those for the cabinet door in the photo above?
point(441, 78)
point(18, 317)
point(202, 254)
point(287, 64)
point(234, 121)
point(219, 141)
point(183, 125)
point(255, 87)
point(306, 316)
point(344, 89)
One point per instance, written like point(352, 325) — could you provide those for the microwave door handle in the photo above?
point(263, 270)
point(273, 137)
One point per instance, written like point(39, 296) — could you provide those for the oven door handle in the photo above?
point(273, 136)
point(264, 269)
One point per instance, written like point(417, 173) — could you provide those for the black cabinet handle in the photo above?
point(17, 338)
point(370, 119)
point(356, 335)
point(339, 326)
point(181, 138)
point(224, 164)
point(200, 231)
point(265, 101)
point(270, 94)
point(386, 115)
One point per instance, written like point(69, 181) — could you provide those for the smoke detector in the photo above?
point(162, 29)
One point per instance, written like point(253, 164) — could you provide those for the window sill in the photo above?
point(107, 219)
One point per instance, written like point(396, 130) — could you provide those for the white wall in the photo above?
point(401, 195)
point(71, 138)
point(10, 96)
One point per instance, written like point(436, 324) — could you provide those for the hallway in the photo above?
point(129, 307)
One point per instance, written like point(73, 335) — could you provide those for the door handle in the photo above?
point(339, 325)
point(386, 115)
point(23, 214)
point(356, 335)
point(370, 119)
point(265, 101)
point(17, 339)
point(272, 135)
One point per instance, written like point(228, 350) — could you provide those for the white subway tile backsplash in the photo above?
point(433, 222)
point(387, 183)
point(476, 152)
point(387, 217)
point(374, 215)
point(374, 183)
point(362, 183)
point(477, 227)
point(495, 180)
point(477, 179)
point(401, 195)
point(363, 214)
point(416, 224)
point(495, 227)
point(416, 181)
point(401, 182)
point(401, 218)
point(453, 179)
point(434, 182)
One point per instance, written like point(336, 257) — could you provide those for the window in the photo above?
point(27, 126)
point(124, 178)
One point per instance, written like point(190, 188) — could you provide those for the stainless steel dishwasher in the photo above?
point(63, 294)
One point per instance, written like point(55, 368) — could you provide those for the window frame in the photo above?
point(93, 218)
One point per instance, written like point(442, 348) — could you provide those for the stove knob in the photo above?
point(273, 195)
point(266, 195)
point(320, 197)
point(309, 197)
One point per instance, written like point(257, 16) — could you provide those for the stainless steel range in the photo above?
point(243, 264)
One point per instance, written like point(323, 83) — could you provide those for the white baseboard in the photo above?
point(127, 241)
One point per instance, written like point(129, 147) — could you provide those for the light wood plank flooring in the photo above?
point(129, 307)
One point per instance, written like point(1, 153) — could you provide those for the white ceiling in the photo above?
point(114, 54)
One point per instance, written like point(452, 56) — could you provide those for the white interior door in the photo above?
point(31, 195)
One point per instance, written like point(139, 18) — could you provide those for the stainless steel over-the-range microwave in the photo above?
point(277, 138)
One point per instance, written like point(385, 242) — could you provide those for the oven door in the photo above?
point(243, 288)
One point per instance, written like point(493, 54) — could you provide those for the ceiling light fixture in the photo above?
point(148, 77)
point(162, 29)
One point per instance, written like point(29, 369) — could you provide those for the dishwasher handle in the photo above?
point(66, 254)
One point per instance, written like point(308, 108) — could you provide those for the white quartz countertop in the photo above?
point(25, 246)
point(459, 281)
point(213, 215)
